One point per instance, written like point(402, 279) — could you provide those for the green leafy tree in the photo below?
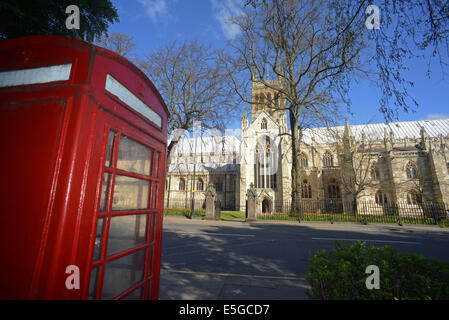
point(23, 18)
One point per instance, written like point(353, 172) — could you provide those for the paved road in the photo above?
point(233, 260)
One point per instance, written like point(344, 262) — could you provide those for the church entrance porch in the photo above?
point(265, 202)
point(266, 206)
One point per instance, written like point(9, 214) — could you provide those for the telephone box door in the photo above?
point(128, 225)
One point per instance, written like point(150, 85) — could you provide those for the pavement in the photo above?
point(235, 260)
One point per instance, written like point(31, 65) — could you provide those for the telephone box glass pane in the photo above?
point(110, 148)
point(134, 157)
point(123, 273)
point(104, 191)
point(130, 193)
point(126, 232)
point(150, 261)
point(98, 239)
point(156, 165)
point(153, 224)
point(93, 283)
point(135, 295)
point(148, 289)
point(155, 195)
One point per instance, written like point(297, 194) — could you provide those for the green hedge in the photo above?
point(444, 223)
point(340, 274)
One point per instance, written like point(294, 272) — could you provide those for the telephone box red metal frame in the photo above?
point(53, 139)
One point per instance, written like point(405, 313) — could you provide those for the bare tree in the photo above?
point(120, 43)
point(407, 29)
point(280, 34)
point(360, 163)
point(193, 85)
point(311, 47)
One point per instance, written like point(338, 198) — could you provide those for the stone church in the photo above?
point(382, 163)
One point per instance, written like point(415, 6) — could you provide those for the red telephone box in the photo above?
point(83, 140)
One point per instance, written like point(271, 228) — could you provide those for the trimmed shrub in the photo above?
point(444, 223)
point(340, 274)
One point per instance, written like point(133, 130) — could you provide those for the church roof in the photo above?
point(217, 144)
point(401, 130)
point(202, 167)
point(230, 144)
point(263, 114)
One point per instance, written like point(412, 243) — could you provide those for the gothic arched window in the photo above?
point(306, 189)
point(333, 189)
point(182, 184)
point(303, 163)
point(265, 159)
point(263, 124)
point(267, 147)
point(278, 99)
point(411, 171)
point(414, 198)
point(381, 198)
point(199, 185)
point(256, 106)
point(328, 160)
point(375, 174)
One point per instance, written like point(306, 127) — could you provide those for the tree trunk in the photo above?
point(167, 167)
point(296, 179)
point(170, 147)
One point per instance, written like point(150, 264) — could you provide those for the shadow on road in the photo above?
point(266, 261)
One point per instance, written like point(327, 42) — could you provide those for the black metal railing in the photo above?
point(338, 211)
point(199, 204)
point(356, 211)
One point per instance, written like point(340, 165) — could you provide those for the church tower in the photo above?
point(262, 146)
point(244, 120)
point(266, 97)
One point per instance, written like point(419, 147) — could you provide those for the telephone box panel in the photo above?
point(83, 138)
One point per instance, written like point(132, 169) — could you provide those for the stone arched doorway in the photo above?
point(266, 205)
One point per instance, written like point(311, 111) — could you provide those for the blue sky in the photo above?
point(154, 23)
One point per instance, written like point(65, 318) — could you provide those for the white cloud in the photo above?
point(223, 10)
point(436, 116)
point(155, 9)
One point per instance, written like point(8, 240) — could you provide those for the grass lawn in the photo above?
point(348, 218)
point(226, 215)
point(181, 212)
point(276, 216)
point(200, 213)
